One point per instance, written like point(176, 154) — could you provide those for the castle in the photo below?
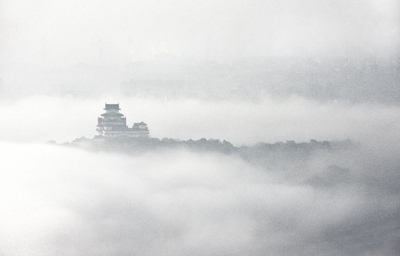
point(113, 124)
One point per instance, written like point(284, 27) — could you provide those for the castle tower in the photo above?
point(113, 124)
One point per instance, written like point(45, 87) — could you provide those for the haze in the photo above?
point(37, 119)
point(69, 32)
point(49, 47)
point(245, 72)
point(64, 201)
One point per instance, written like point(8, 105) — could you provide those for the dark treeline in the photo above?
point(280, 155)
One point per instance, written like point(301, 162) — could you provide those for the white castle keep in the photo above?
point(113, 124)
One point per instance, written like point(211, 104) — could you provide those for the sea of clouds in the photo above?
point(62, 201)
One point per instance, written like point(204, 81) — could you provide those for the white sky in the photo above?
point(69, 32)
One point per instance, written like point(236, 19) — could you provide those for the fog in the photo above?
point(66, 201)
point(39, 119)
point(245, 72)
point(46, 44)
point(68, 32)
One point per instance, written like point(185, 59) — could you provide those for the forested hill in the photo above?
point(141, 145)
point(276, 155)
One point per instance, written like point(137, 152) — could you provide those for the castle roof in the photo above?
point(112, 114)
point(141, 123)
point(112, 106)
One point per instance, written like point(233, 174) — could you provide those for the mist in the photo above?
point(75, 44)
point(254, 73)
point(38, 119)
point(60, 200)
point(71, 202)
point(69, 32)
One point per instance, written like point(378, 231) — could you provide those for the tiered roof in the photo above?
point(112, 107)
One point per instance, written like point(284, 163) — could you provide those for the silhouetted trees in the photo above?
point(271, 156)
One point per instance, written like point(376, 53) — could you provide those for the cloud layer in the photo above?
point(62, 201)
point(70, 202)
point(58, 200)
